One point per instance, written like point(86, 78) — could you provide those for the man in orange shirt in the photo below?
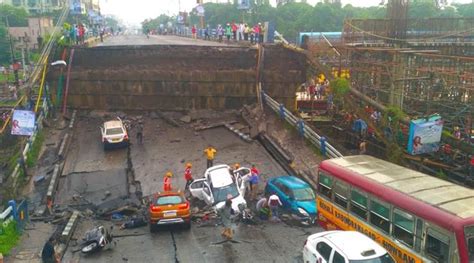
point(167, 181)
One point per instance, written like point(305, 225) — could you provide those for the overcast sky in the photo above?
point(135, 11)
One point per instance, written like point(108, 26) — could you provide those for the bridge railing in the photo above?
point(317, 140)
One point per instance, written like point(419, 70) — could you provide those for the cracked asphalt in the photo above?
point(91, 171)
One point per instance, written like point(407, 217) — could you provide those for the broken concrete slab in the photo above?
point(186, 119)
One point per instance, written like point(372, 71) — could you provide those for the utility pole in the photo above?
point(15, 67)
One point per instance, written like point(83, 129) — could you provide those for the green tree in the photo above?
point(465, 10)
point(5, 57)
point(16, 16)
point(423, 9)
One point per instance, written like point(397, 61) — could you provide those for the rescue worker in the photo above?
point(274, 203)
point(225, 214)
point(210, 154)
point(188, 175)
point(48, 254)
point(167, 181)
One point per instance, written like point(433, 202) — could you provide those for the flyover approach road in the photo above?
point(121, 40)
point(90, 171)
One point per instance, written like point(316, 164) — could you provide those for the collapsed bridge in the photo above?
point(177, 77)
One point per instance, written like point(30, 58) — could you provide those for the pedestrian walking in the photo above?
point(254, 180)
point(140, 132)
point(48, 254)
point(210, 154)
point(167, 181)
point(225, 213)
point(188, 175)
point(274, 203)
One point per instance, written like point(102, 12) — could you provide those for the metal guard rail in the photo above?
point(307, 132)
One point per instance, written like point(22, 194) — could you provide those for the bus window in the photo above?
point(469, 233)
point(437, 246)
point(341, 192)
point(325, 185)
point(359, 204)
point(419, 234)
point(403, 226)
point(379, 216)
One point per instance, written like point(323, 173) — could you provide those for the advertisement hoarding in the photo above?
point(243, 4)
point(23, 122)
point(75, 7)
point(425, 135)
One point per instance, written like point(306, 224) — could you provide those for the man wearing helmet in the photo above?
point(167, 181)
point(187, 175)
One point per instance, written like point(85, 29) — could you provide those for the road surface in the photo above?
point(166, 147)
point(156, 40)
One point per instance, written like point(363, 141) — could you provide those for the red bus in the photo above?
point(416, 217)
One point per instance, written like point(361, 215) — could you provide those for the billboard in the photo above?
point(75, 7)
point(425, 135)
point(23, 122)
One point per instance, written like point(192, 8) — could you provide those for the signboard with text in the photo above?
point(23, 122)
point(425, 135)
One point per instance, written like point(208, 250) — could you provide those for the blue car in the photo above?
point(296, 196)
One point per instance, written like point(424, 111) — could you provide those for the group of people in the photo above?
point(232, 31)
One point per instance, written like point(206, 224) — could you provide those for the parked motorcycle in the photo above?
point(96, 239)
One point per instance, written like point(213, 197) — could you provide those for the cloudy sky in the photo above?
point(135, 11)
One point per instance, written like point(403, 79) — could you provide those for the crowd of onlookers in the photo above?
point(231, 31)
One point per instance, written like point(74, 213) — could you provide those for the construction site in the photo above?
point(413, 68)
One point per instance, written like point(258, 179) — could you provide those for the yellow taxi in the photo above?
point(169, 208)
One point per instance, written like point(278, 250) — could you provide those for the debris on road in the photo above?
point(134, 222)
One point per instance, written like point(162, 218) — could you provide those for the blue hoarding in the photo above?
point(425, 135)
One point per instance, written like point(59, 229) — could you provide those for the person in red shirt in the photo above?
point(188, 175)
point(194, 31)
point(167, 181)
point(234, 31)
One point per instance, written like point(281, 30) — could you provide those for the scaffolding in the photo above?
point(424, 69)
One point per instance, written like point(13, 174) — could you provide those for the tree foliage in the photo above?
point(294, 17)
point(16, 16)
point(4, 45)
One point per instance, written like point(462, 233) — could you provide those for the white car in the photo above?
point(344, 247)
point(114, 134)
point(219, 184)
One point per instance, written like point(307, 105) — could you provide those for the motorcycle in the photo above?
point(97, 239)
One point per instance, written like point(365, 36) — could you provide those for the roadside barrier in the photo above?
point(318, 141)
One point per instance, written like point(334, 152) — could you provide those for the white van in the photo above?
point(219, 184)
point(344, 247)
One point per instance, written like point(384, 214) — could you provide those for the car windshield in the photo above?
point(114, 131)
point(383, 259)
point(221, 193)
point(303, 194)
point(169, 200)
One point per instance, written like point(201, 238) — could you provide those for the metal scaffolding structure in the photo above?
point(427, 68)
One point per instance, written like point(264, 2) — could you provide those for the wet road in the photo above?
point(166, 147)
point(156, 40)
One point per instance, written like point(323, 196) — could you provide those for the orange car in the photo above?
point(169, 208)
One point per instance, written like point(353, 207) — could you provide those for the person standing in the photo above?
point(167, 181)
point(234, 30)
point(362, 147)
point(210, 154)
point(220, 32)
point(225, 213)
point(228, 32)
point(254, 180)
point(246, 32)
point(188, 175)
point(140, 132)
point(262, 32)
point(274, 203)
point(48, 255)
